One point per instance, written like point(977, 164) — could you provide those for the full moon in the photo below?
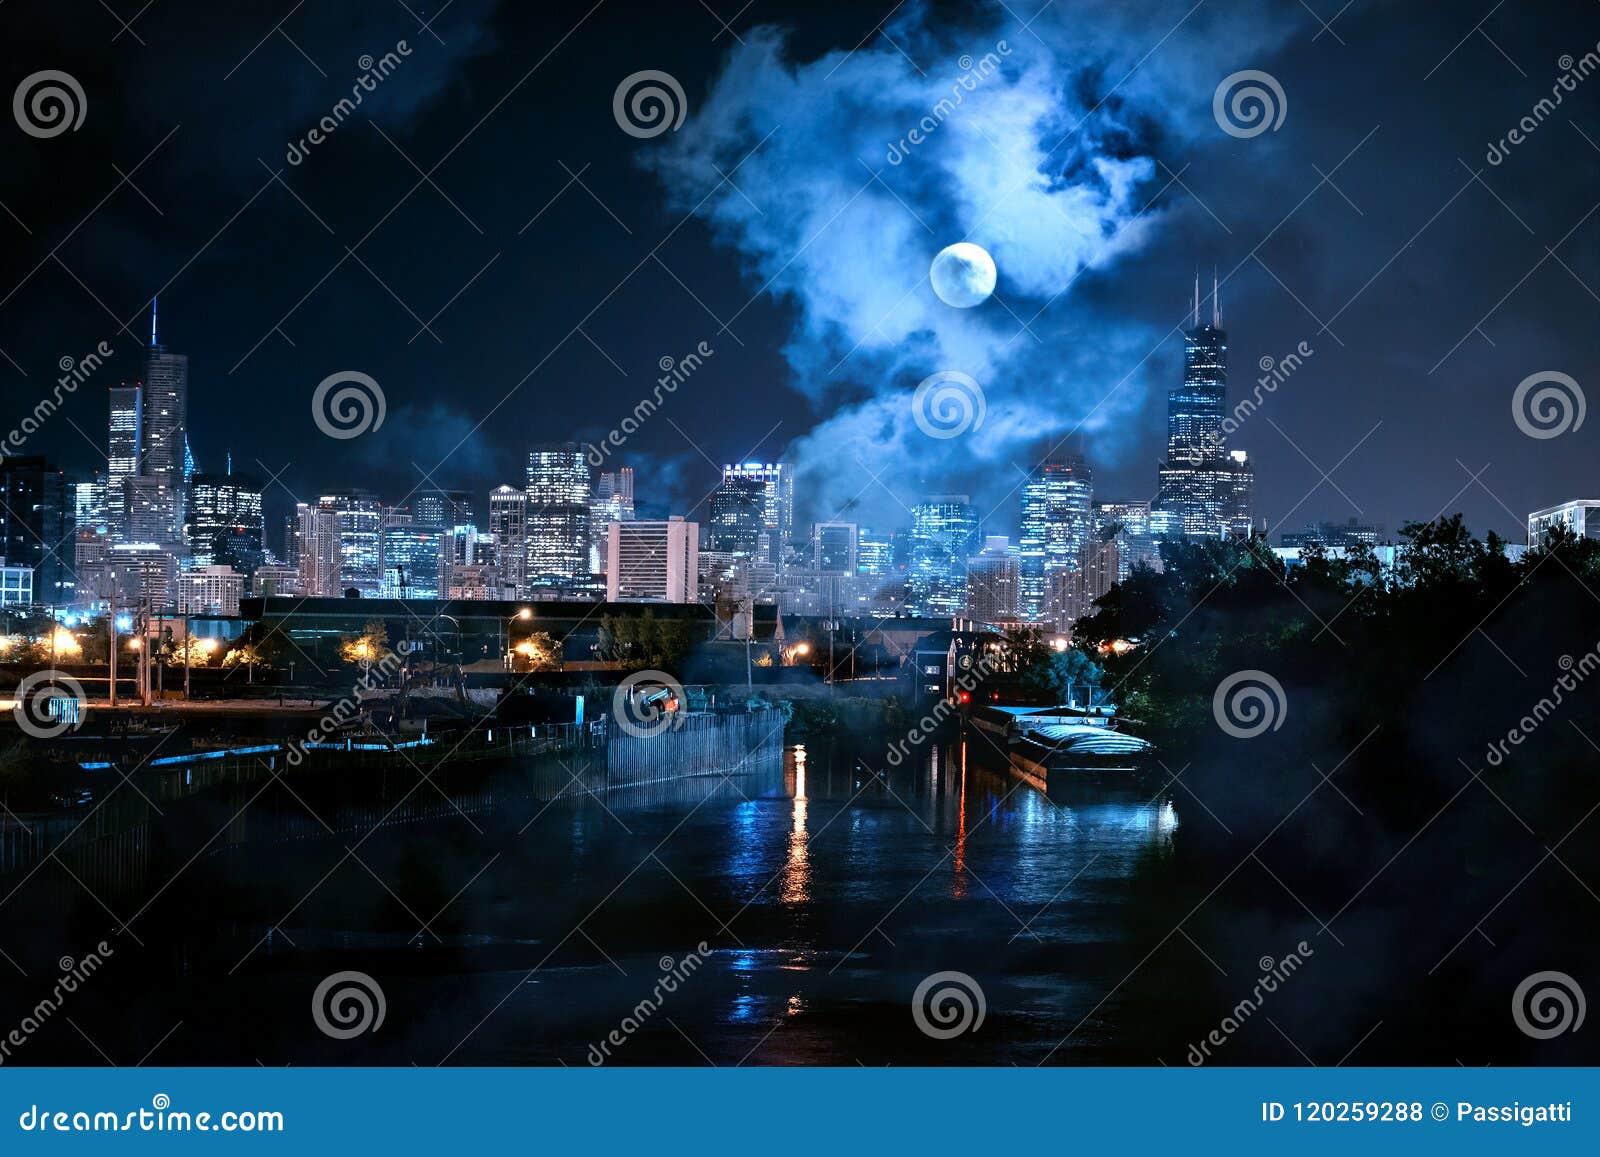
point(963, 275)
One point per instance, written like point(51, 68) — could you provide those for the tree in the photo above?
point(368, 647)
point(1059, 673)
point(538, 652)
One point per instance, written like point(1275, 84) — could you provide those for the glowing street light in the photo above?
point(523, 614)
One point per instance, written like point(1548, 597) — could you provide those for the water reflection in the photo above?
point(797, 871)
point(827, 883)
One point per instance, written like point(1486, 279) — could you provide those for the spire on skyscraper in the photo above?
point(1196, 297)
point(1216, 300)
point(152, 323)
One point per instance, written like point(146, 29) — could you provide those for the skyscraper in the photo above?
point(558, 514)
point(317, 548)
point(413, 562)
point(1057, 519)
point(508, 523)
point(442, 508)
point(36, 525)
point(993, 581)
point(1206, 490)
point(832, 566)
point(164, 437)
point(738, 521)
point(1099, 563)
point(122, 453)
point(612, 502)
point(1129, 524)
point(225, 523)
point(874, 553)
point(358, 517)
point(777, 488)
point(654, 561)
point(944, 535)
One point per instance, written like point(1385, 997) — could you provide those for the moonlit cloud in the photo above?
point(836, 209)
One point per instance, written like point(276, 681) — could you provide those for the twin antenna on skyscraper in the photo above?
point(1216, 300)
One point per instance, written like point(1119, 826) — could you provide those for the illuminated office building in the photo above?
point(1206, 490)
point(944, 535)
point(557, 520)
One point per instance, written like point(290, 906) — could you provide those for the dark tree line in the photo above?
point(1423, 808)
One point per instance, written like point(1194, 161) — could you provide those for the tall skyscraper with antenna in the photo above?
point(157, 491)
point(1206, 489)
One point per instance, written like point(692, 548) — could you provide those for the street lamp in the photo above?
point(523, 614)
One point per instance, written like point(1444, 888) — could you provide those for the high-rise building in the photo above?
point(777, 505)
point(36, 526)
point(874, 553)
point(164, 434)
point(612, 502)
point(442, 507)
point(652, 560)
point(1581, 517)
point(210, 590)
point(1099, 563)
point(825, 585)
point(994, 582)
point(413, 562)
point(1129, 524)
point(1057, 519)
point(944, 535)
point(92, 527)
point(358, 518)
point(317, 549)
point(225, 522)
point(1206, 490)
point(834, 547)
point(508, 523)
point(89, 502)
point(738, 521)
point(145, 577)
point(122, 453)
point(557, 521)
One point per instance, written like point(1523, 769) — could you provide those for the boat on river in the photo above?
point(1054, 746)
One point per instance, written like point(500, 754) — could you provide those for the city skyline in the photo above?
point(1103, 333)
point(931, 534)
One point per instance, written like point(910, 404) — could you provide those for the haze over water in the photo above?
point(824, 892)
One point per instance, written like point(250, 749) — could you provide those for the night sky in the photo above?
point(484, 240)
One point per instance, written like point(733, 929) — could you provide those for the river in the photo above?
point(505, 928)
